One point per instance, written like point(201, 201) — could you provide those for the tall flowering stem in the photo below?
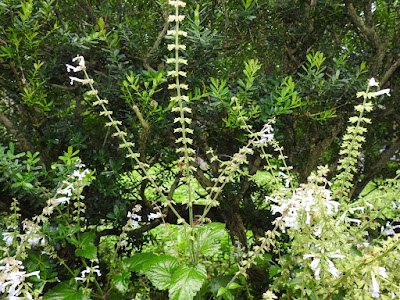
point(179, 101)
point(121, 135)
point(352, 142)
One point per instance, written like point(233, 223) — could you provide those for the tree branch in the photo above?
point(160, 37)
point(389, 72)
point(369, 34)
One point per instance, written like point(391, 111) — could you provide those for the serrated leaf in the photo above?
point(89, 251)
point(160, 271)
point(86, 238)
point(208, 238)
point(187, 281)
point(121, 281)
point(64, 291)
point(86, 245)
point(135, 262)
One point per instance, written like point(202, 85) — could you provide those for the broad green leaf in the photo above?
point(86, 238)
point(121, 281)
point(135, 262)
point(89, 251)
point(187, 281)
point(208, 238)
point(64, 291)
point(86, 245)
point(160, 270)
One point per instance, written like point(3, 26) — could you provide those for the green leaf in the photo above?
point(187, 281)
point(88, 251)
point(135, 262)
point(273, 270)
point(121, 281)
point(160, 271)
point(64, 291)
point(86, 238)
point(86, 245)
point(208, 238)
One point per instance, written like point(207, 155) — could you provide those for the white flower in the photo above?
point(314, 265)
point(83, 81)
point(382, 92)
point(372, 82)
point(134, 219)
point(63, 200)
point(352, 210)
point(268, 295)
point(319, 231)
point(80, 175)
point(78, 68)
point(67, 190)
point(88, 270)
point(8, 237)
point(375, 287)
point(389, 230)
point(355, 221)
point(153, 216)
point(382, 272)
point(332, 269)
point(267, 134)
point(177, 3)
point(173, 18)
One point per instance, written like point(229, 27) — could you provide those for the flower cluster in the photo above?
point(133, 217)
point(268, 295)
point(12, 276)
point(353, 140)
point(67, 188)
point(31, 235)
point(372, 82)
point(266, 134)
point(80, 67)
point(326, 258)
point(303, 202)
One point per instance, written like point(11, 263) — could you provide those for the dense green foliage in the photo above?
point(293, 65)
